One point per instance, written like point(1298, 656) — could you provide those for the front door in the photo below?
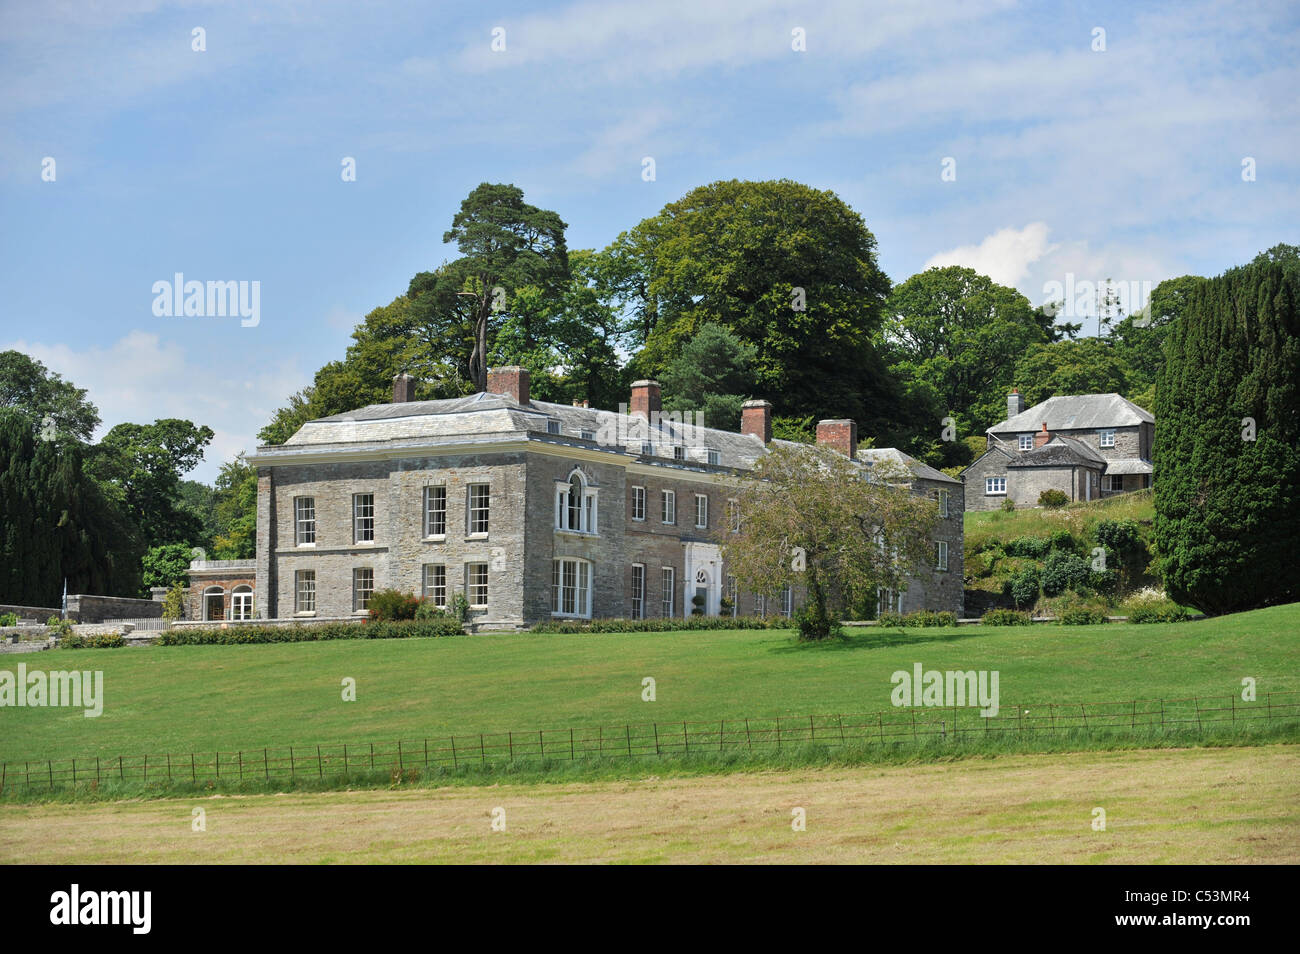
point(216, 606)
point(704, 579)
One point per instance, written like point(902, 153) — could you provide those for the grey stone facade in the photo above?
point(1099, 468)
point(526, 453)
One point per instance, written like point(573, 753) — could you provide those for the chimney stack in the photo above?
point(840, 435)
point(510, 381)
point(756, 419)
point(1015, 403)
point(646, 399)
point(403, 388)
point(1042, 437)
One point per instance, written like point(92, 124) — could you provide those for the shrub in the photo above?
point(1008, 505)
point(815, 623)
point(1005, 617)
point(1063, 570)
point(1024, 587)
point(1171, 612)
point(458, 606)
point(96, 641)
point(1062, 540)
point(58, 626)
point(660, 624)
point(8, 619)
point(173, 604)
point(920, 618)
point(1053, 499)
point(391, 605)
point(893, 620)
point(1034, 547)
point(310, 632)
point(1082, 617)
point(1103, 581)
point(427, 610)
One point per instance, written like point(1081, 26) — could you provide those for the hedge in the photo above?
point(308, 633)
point(96, 641)
point(662, 624)
point(1157, 614)
point(923, 618)
point(1082, 617)
point(1006, 617)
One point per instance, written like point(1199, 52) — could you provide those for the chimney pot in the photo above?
point(1042, 437)
point(510, 381)
point(403, 388)
point(756, 419)
point(840, 435)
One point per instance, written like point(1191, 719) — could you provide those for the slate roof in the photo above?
point(487, 417)
point(1076, 412)
point(1132, 465)
point(1060, 451)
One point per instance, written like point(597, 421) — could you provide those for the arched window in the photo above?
point(241, 602)
point(575, 504)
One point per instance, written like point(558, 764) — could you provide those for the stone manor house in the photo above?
point(532, 510)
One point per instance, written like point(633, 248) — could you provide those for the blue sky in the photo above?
point(1123, 163)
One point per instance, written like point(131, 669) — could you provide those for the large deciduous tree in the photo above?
point(1084, 366)
point(788, 269)
point(810, 517)
point(1227, 449)
point(56, 408)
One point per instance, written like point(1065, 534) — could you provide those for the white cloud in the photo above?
point(1004, 256)
point(141, 377)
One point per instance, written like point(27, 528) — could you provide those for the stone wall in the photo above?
point(87, 608)
point(932, 588)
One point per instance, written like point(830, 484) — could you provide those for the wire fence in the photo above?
point(897, 726)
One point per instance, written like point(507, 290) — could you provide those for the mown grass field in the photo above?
point(1185, 806)
point(180, 699)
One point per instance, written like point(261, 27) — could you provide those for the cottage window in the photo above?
point(552, 427)
point(1108, 438)
point(994, 486)
point(570, 588)
point(1113, 482)
point(1026, 442)
point(715, 457)
point(679, 452)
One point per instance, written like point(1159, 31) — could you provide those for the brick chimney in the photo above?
point(403, 388)
point(756, 419)
point(511, 381)
point(1042, 437)
point(1015, 403)
point(646, 399)
point(840, 435)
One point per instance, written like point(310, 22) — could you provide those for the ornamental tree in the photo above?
point(839, 528)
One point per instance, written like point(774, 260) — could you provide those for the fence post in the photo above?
point(1197, 702)
point(656, 728)
point(570, 743)
point(880, 721)
point(627, 729)
point(778, 733)
point(96, 769)
point(194, 771)
point(1133, 719)
point(240, 756)
point(372, 756)
point(146, 769)
point(1162, 717)
point(169, 767)
point(482, 752)
point(345, 760)
point(218, 763)
point(722, 729)
point(541, 743)
point(749, 741)
point(4, 774)
point(510, 741)
point(293, 773)
point(454, 762)
point(50, 766)
point(840, 717)
point(913, 725)
point(320, 767)
point(266, 764)
point(685, 738)
point(401, 766)
point(1232, 699)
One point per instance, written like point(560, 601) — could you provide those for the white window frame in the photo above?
point(1025, 442)
point(715, 456)
point(941, 562)
point(733, 594)
point(571, 587)
point(1113, 483)
point(241, 602)
point(304, 592)
point(943, 503)
point(995, 482)
point(638, 591)
point(638, 504)
point(435, 517)
point(478, 517)
point(760, 605)
point(575, 500)
point(1106, 437)
point(361, 575)
point(733, 514)
point(552, 427)
point(668, 580)
point(668, 507)
point(304, 521)
point(433, 583)
point(679, 452)
point(363, 524)
point(701, 511)
point(473, 586)
point(787, 601)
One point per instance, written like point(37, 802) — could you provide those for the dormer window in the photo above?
point(679, 452)
point(715, 457)
point(647, 449)
point(552, 427)
point(588, 435)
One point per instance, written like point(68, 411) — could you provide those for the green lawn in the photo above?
point(242, 697)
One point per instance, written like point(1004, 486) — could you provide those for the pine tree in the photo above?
point(1227, 450)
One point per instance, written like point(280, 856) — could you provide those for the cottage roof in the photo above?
point(1060, 451)
point(1076, 412)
